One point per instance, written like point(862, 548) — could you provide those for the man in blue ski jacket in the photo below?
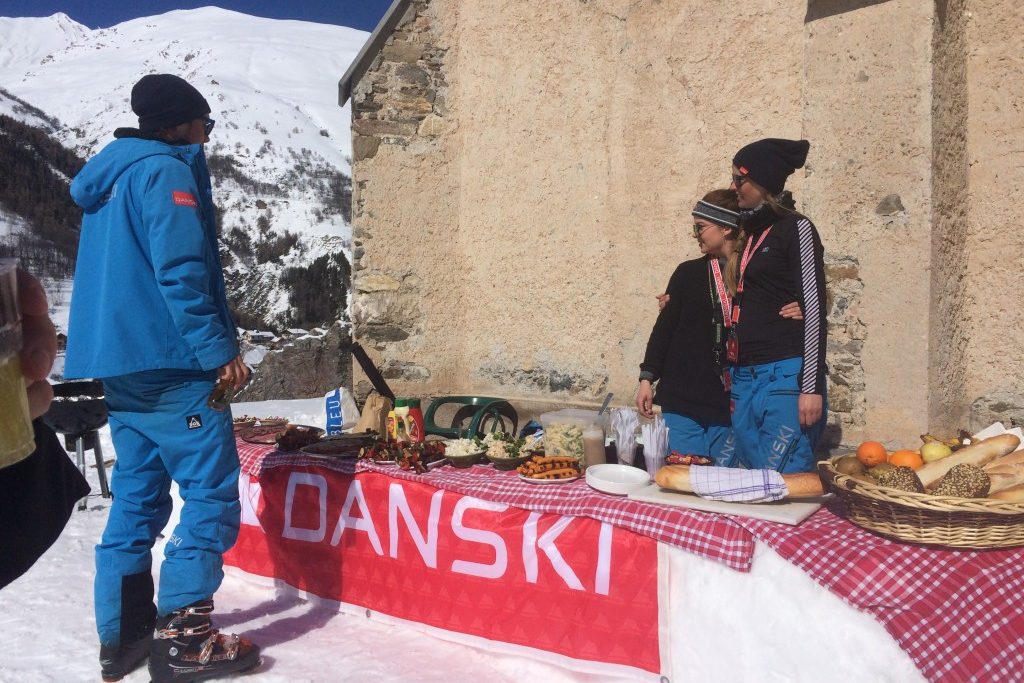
point(149, 316)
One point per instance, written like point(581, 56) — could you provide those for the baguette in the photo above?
point(1015, 458)
point(978, 454)
point(1014, 494)
point(1004, 477)
point(675, 477)
point(799, 485)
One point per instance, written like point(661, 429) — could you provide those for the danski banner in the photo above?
point(572, 587)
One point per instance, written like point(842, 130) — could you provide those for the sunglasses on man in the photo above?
point(208, 125)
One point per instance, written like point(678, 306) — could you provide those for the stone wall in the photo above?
point(406, 283)
point(524, 174)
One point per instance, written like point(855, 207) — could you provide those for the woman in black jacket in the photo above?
point(778, 389)
point(685, 350)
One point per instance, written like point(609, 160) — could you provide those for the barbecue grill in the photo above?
point(78, 411)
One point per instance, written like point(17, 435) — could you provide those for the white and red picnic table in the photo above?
point(607, 585)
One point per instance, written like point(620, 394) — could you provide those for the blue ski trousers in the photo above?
point(163, 430)
point(689, 436)
point(766, 419)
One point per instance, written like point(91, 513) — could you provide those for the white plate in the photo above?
point(618, 480)
point(547, 481)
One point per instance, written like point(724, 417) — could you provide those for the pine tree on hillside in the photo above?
point(34, 186)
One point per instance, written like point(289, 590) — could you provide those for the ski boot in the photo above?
point(117, 661)
point(138, 616)
point(187, 648)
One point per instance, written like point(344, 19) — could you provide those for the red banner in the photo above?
point(568, 585)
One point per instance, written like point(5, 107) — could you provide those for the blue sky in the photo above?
point(361, 14)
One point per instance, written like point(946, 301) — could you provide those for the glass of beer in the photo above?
point(17, 440)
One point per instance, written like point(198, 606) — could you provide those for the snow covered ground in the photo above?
point(49, 635)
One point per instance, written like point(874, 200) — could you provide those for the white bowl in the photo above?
point(617, 479)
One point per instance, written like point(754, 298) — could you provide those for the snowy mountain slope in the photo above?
point(272, 85)
point(17, 108)
point(30, 39)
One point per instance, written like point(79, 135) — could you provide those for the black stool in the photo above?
point(78, 411)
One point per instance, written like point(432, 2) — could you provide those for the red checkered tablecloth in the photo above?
point(956, 613)
point(712, 536)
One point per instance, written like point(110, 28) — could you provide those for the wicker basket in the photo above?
point(924, 518)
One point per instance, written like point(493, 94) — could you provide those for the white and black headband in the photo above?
point(716, 214)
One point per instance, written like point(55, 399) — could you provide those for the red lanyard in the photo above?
point(724, 298)
point(748, 254)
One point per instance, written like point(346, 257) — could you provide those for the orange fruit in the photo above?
point(871, 453)
point(906, 458)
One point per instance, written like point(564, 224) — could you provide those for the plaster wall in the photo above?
point(868, 124)
point(518, 207)
point(994, 245)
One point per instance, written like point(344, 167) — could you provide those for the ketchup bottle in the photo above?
point(415, 421)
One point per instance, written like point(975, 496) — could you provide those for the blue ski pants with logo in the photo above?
point(689, 436)
point(766, 418)
point(163, 430)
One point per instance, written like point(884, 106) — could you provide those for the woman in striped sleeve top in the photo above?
point(778, 389)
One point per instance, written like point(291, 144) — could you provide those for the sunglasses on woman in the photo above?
point(738, 180)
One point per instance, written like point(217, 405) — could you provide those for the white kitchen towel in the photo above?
point(737, 485)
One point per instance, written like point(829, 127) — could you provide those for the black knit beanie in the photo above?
point(164, 101)
point(770, 161)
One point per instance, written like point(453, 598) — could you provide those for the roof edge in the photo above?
point(369, 51)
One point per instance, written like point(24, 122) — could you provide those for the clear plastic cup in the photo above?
point(17, 440)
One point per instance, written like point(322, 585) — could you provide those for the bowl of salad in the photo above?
point(463, 452)
point(508, 453)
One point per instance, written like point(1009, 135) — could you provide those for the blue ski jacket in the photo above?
point(149, 289)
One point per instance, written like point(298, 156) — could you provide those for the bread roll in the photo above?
point(799, 485)
point(1014, 494)
point(978, 454)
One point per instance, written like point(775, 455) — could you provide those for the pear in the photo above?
point(935, 450)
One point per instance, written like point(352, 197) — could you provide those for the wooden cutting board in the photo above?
point(784, 511)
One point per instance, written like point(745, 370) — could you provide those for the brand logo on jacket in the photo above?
point(184, 198)
point(193, 422)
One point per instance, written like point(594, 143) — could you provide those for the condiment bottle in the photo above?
point(392, 424)
point(414, 423)
point(401, 413)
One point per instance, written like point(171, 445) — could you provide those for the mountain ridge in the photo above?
point(281, 142)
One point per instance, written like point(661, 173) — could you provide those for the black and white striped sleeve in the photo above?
point(810, 278)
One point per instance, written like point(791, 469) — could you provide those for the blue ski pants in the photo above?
point(163, 430)
point(689, 436)
point(766, 418)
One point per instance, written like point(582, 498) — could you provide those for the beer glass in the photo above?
point(17, 439)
